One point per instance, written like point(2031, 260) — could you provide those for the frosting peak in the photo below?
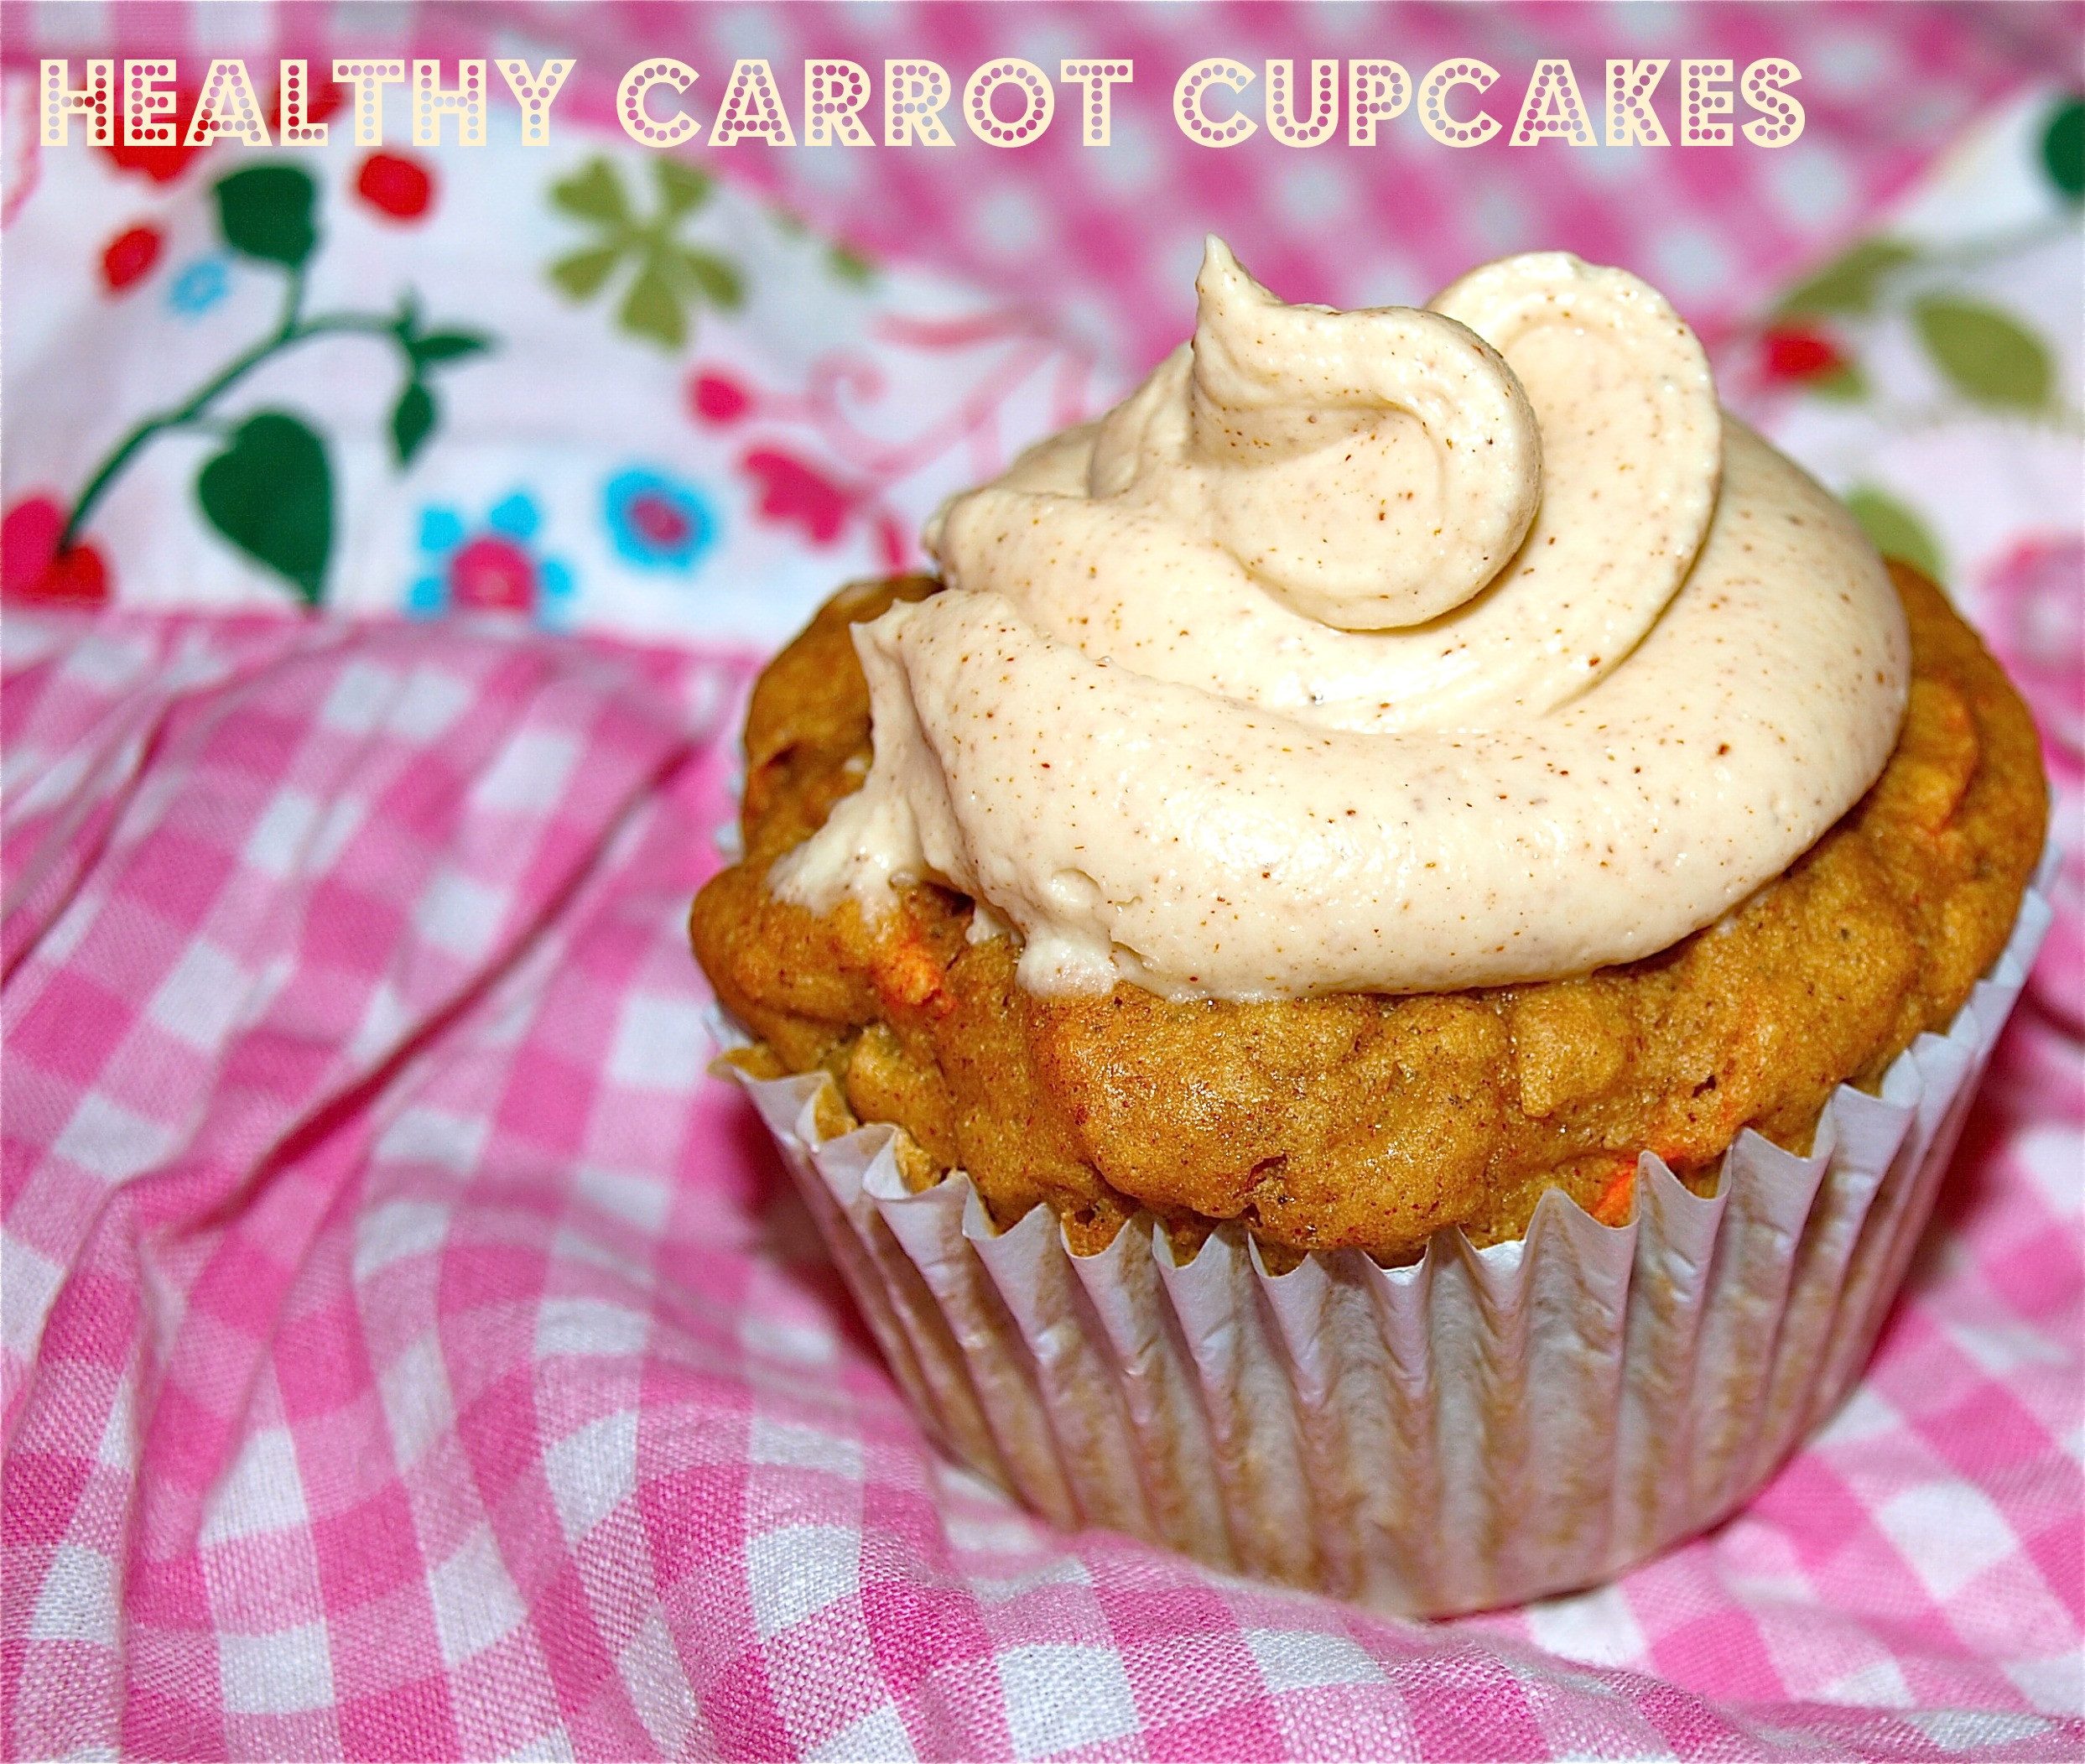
point(1396, 649)
point(1371, 469)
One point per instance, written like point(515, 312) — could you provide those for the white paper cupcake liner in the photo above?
point(1480, 1428)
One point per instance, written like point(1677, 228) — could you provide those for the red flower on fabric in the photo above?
point(32, 567)
point(716, 398)
point(162, 164)
point(77, 578)
point(395, 185)
point(492, 574)
point(1798, 353)
point(129, 256)
point(792, 492)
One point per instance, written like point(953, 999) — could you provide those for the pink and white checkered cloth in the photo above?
point(1105, 240)
point(410, 1353)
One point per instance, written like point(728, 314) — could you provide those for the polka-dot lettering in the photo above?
point(1553, 107)
point(834, 95)
point(753, 109)
point(227, 110)
point(369, 79)
point(1376, 91)
point(1434, 115)
point(1705, 93)
point(915, 93)
point(1038, 102)
point(1096, 79)
point(1190, 94)
point(1631, 120)
point(635, 114)
point(431, 102)
point(1780, 121)
point(96, 101)
point(146, 98)
point(533, 93)
point(1303, 119)
point(294, 84)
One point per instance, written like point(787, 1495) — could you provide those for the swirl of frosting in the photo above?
point(1389, 650)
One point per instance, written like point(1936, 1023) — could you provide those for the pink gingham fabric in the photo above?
point(408, 1350)
point(410, 1353)
point(1104, 241)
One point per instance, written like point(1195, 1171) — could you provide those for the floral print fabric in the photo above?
point(588, 386)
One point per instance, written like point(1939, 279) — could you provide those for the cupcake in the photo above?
point(1375, 981)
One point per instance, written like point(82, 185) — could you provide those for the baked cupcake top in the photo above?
point(1392, 650)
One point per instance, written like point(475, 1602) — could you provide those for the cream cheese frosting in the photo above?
point(1389, 650)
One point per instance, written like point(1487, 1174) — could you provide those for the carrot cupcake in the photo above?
point(1371, 984)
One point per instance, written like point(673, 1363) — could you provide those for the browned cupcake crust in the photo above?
point(1361, 1119)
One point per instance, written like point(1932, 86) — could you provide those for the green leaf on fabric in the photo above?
point(1845, 384)
point(2063, 149)
point(412, 421)
point(582, 274)
point(1896, 531)
point(718, 282)
point(446, 346)
point(270, 492)
point(265, 212)
point(848, 265)
point(594, 193)
point(653, 310)
point(1849, 283)
point(1989, 357)
point(682, 186)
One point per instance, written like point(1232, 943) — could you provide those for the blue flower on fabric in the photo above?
point(489, 566)
point(657, 521)
point(201, 286)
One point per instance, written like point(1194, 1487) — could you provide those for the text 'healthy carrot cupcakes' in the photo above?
point(1376, 982)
